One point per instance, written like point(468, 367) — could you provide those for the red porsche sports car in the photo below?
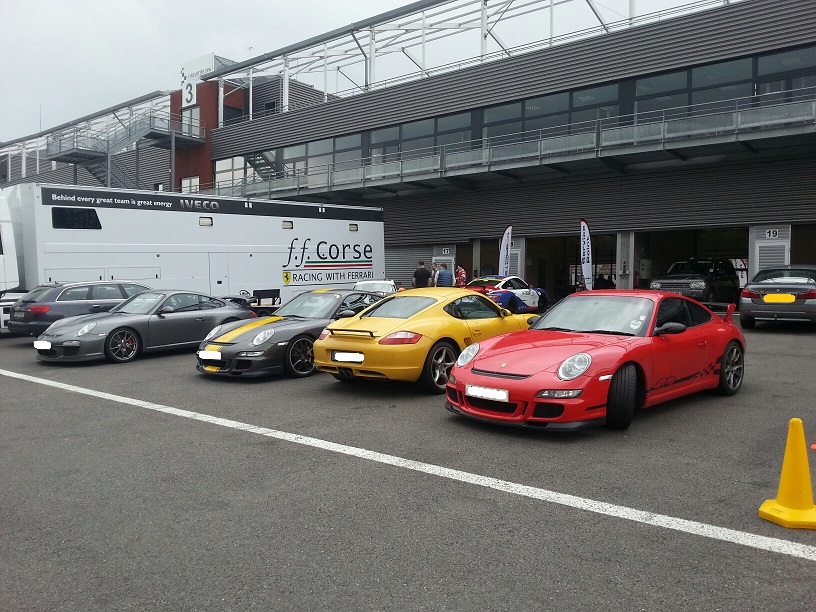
point(595, 357)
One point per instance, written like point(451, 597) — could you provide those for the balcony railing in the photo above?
point(116, 138)
point(741, 118)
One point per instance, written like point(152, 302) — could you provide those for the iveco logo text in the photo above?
point(200, 205)
point(328, 252)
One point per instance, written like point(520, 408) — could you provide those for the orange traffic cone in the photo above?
point(793, 506)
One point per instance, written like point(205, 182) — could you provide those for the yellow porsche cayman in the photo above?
point(414, 335)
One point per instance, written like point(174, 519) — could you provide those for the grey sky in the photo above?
point(74, 57)
point(63, 59)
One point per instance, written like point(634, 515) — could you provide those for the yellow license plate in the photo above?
point(779, 298)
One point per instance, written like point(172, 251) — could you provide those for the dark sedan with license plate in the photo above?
point(148, 321)
point(283, 342)
point(782, 293)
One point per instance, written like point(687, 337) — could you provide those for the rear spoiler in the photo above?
point(722, 307)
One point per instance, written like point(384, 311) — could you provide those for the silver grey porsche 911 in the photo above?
point(148, 321)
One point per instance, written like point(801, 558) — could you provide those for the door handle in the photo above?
point(96, 306)
point(199, 318)
point(477, 332)
point(703, 343)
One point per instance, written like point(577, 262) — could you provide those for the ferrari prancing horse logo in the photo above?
point(287, 277)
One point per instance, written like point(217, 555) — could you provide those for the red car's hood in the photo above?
point(529, 352)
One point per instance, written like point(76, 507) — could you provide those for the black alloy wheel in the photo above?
point(298, 359)
point(122, 345)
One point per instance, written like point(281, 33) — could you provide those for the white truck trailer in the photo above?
point(223, 246)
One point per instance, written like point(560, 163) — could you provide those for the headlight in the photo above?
point(654, 285)
point(85, 329)
point(697, 284)
point(574, 366)
point(263, 336)
point(214, 331)
point(466, 356)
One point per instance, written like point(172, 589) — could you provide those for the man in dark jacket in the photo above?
point(422, 275)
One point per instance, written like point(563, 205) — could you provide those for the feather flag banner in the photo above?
point(504, 251)
point(586, 254)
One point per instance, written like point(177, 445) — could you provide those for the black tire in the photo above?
point(747, 322)
point(298, 358)
point(620, 403)
point(122, 345)
point(543, 303)
point(437, 368)
point(709, 296)
point(513, 305)
point(732, 369)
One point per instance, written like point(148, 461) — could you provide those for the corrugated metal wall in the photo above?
point(731, 31)
point(735, 195)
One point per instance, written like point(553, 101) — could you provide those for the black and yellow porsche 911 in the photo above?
point(283, 342)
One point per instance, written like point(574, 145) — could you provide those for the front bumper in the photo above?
point(524, 409)
point(70, 349)
point(230, 364)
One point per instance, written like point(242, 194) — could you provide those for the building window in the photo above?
point(189, 184)
point(191, 121)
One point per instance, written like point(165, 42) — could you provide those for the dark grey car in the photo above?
point(44, 304)
point(782, 293)
point(706, 279)
point(146, 322)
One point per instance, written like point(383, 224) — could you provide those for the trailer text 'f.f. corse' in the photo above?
point(218, 245)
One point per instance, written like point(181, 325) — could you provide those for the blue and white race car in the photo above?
point(512, 293)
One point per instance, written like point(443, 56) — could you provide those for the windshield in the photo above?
point(484, 282)
point(692, 266)
point(798, 276)
point(625, 315)
point(310, 306)
point(37, 294)
point(399, 307)
point(141, 303)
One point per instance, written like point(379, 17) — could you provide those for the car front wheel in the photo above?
point(732, 369)
point(437, 368)
point(122, 345)
point(620, 402)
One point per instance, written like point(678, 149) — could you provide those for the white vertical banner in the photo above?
point(504, 251)
point(586, 254)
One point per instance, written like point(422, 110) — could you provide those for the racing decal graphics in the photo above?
point(232, 334)
point(709, 370)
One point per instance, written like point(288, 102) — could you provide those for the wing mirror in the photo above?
point(670, 328)
point(344, 314)
point(532, 320)
point(166, 310)
point(505, 312)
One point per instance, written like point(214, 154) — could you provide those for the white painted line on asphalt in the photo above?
point(776, 545)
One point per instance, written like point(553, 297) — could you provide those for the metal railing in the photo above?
point(118, 137)
point(655, 129)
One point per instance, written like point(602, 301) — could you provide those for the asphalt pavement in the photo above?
point(148, 486)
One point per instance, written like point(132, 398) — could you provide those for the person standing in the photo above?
point(444, 277)
point(434, 273)
point(461, 276)
point(422, 276)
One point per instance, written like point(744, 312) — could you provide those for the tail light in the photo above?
point(324, 334)
point(252, 314)
point(807, 295)
point(747, 293)
point(401, 337)
point(38, 309)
